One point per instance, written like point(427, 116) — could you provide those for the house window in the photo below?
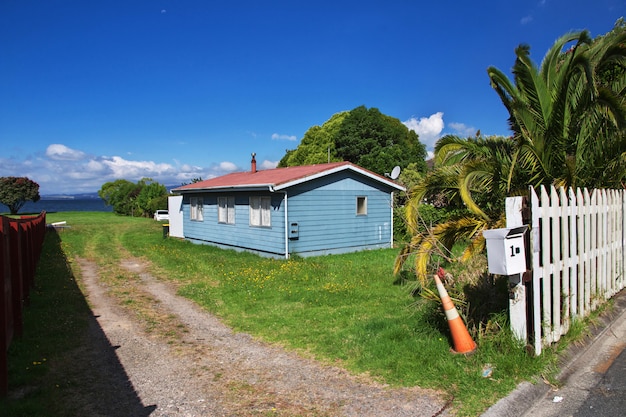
point(260, 211)
point(197, 209)
point(226, 210)
point(361, 206)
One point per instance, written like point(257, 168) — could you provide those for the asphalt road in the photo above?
point(592, 378)
point(608, 396)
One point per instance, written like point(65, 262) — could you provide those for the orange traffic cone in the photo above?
point(461, 338)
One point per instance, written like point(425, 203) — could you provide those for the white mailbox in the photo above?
point(506, 253)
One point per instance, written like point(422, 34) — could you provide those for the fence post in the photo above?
point(517, 295)
point(5, 303)
point(21, 243)
point(17, 276)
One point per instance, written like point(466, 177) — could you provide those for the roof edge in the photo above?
point(346, 166)
point(243, 187)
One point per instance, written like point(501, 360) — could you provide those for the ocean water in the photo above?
point(67, 204)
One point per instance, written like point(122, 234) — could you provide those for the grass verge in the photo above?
point(343, 309)
point(54, 323)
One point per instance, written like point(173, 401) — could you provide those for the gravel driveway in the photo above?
point(212, 371)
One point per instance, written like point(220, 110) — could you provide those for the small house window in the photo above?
point(226, 210)
point(197, 209)
point(361, 206)
point(260, 211)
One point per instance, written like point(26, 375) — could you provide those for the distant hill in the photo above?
point(81, 196)
point(87, 196)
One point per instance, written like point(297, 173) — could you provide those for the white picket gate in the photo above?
point(577, 244)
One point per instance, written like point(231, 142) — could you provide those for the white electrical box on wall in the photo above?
point(506, 253)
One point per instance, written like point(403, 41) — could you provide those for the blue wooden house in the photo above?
point(306, 210)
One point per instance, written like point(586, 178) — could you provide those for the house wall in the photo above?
point(240, 235)
point(325, 211)
point(175, 210)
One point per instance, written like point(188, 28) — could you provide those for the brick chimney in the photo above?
point(253, 163)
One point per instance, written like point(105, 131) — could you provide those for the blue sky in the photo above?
point(93, 91)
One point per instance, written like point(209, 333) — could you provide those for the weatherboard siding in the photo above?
point(326, 214)
point(240, 234)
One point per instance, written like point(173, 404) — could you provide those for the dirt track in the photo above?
point(208, 370)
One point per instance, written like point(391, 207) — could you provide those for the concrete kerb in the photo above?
point(526, 394)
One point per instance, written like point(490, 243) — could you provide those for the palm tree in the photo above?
point(567, 119)
point(563, 117)
point(470, 173)
point(603, 137)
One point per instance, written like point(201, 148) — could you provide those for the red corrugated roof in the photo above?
point(274, 177)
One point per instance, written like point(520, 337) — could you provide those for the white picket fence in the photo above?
point(577, 245)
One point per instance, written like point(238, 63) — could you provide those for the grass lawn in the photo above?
point(346, 310)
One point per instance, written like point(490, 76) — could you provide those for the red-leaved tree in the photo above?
point(16, 191)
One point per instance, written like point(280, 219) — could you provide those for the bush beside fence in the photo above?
point(21, 241)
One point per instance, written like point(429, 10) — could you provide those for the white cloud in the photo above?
point(135, 170)
point(95, 166)
point(462, 130)
point(428, 128)
point(276, 136)
point(62, 170)
point(526, 20)
point(227, 166)
point(268, 164)
point(60, 152)
point(190, 168)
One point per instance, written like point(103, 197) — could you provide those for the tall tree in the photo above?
point(563, 115)
point(607, 134)
point(567, 118)
point(469, 174)
point(318, 144)
point(362, 136)
point(151, 197)
point(130, 199)
point(378, 142)
point(16, 191)
point(121, 195)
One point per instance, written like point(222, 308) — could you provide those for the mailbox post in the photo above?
point(506, 255)
point(501, 242)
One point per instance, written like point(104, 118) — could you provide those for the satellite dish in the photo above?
point(395, 172)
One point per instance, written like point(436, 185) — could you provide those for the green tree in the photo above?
point(470, 177)
point(607, 133)
point(365, 137)
point(567, 118)
point(151, 197)
point(318, 144)
point(130, 199)
point(121, 195)
point(411, 175)
point(193, 181)
point(568, 115)
point(378, 142)
point(16, 191)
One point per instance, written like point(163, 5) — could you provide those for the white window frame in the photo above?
point(260, 211)
point(361, 205)
point(226, 210)
point(196, 209)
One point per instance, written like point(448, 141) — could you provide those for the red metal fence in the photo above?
point(21, 241)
